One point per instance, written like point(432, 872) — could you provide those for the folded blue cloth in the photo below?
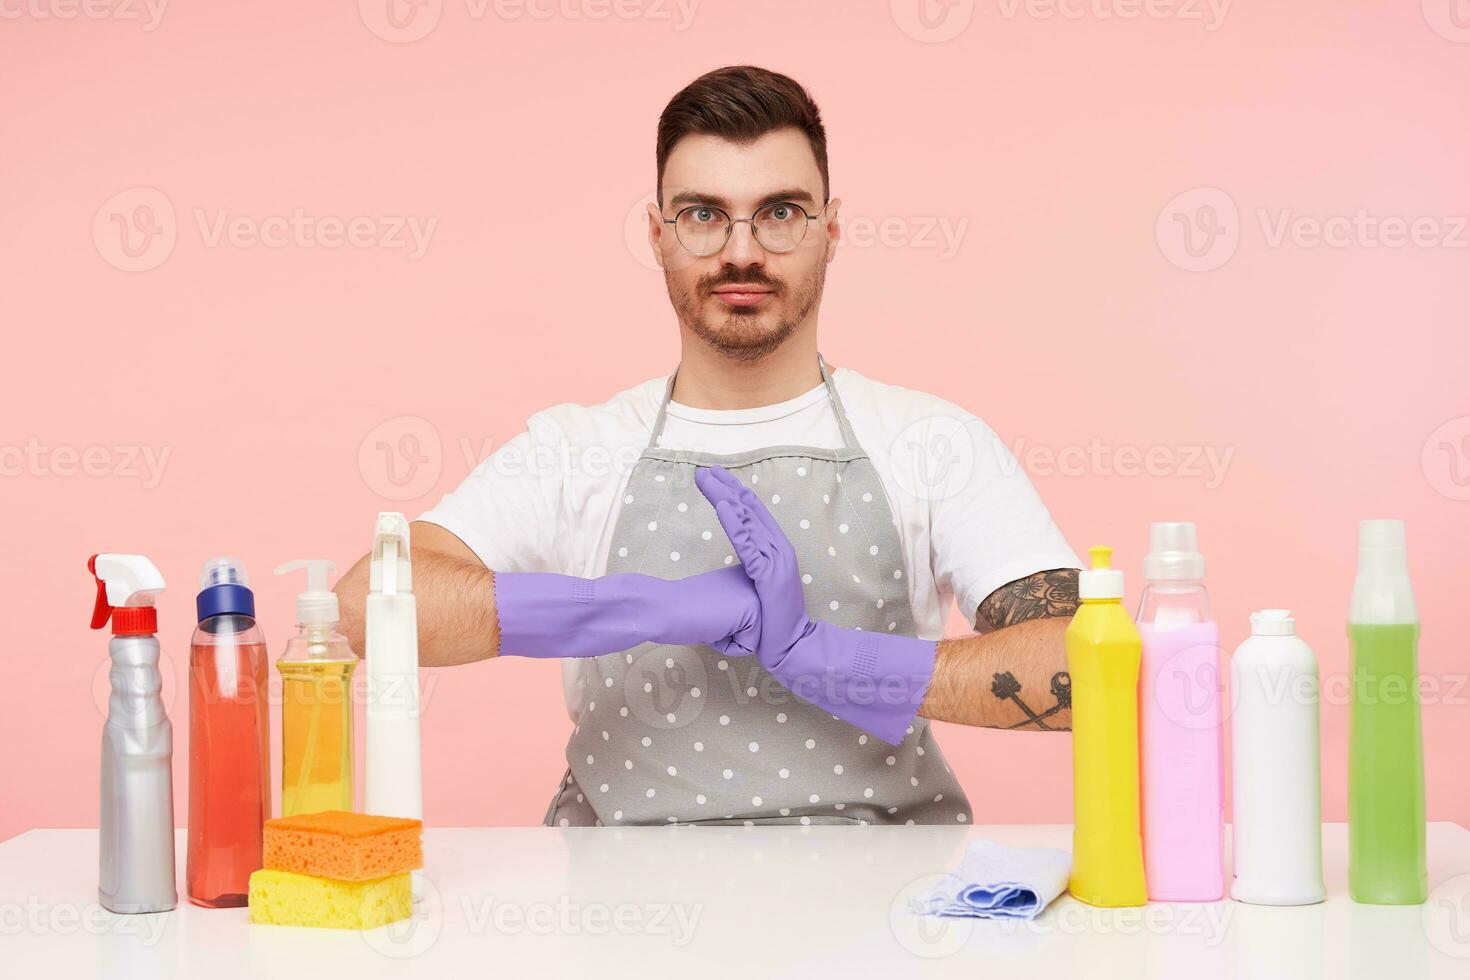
point(999, 882)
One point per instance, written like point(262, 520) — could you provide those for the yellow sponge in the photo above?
point(285, 898)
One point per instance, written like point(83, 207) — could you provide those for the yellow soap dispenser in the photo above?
point(1103, 650)
point(316, 701)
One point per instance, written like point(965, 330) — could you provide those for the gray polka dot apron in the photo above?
point(684, 734)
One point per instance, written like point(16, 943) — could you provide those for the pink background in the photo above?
point(1336, 374)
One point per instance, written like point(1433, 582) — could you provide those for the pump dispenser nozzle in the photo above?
point(391, 572)
point(318, 604)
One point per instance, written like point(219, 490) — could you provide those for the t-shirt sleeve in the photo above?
point(988, 525)
point(506, 510)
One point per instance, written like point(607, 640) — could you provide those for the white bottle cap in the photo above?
point(1382, 547)
point(1273, 622)
point(318, 604)
point(1173, 553)
point(1101, 581)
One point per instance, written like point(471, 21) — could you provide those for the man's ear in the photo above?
point(833, 228)
point(656, 228)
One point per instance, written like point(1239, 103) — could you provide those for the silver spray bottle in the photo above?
point(136, 831)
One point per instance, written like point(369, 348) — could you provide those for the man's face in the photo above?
point(744, 300)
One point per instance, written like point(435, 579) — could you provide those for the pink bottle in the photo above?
point(1180, 723)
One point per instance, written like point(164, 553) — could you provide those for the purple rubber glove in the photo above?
point(547, 615)
point(875, 681)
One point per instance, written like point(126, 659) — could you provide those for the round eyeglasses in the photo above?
point(703, 229)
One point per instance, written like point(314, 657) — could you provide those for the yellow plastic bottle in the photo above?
point(316, 701)
point(1103, 650)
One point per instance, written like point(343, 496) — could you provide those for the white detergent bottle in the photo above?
point(393, 771)
point(1277, 826)
point(136, 827)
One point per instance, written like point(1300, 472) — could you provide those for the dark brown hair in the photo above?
point(740, 103)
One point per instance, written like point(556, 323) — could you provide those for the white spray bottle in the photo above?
point(394, 778)
point(136, 827)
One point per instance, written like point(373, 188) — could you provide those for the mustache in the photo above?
point(740, 277)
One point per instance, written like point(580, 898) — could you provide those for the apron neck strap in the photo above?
point(849, 440)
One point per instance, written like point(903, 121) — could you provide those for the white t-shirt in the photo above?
point(969, 519)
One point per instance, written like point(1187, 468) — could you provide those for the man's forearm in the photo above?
point(456, 608)
point(1015, 677)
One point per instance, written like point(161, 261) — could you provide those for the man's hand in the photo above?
point(875, 681)
point(545, 615)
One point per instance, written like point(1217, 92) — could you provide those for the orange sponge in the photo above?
point(345, 846)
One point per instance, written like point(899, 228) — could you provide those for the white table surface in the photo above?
point(701, 902)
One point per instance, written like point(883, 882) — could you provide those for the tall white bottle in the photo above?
point(393, 770)
point(1277, 827)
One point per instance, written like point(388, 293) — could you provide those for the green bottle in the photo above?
point(1385, 739)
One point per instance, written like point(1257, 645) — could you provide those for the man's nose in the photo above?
point(742, 250)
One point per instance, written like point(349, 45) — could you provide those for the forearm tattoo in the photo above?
point(1050, 593)
point(1007, 688)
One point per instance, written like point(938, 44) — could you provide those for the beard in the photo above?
point(740, 333)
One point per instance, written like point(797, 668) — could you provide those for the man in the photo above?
point(749, 614)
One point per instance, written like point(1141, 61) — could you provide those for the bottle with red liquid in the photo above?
point(229, 739)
